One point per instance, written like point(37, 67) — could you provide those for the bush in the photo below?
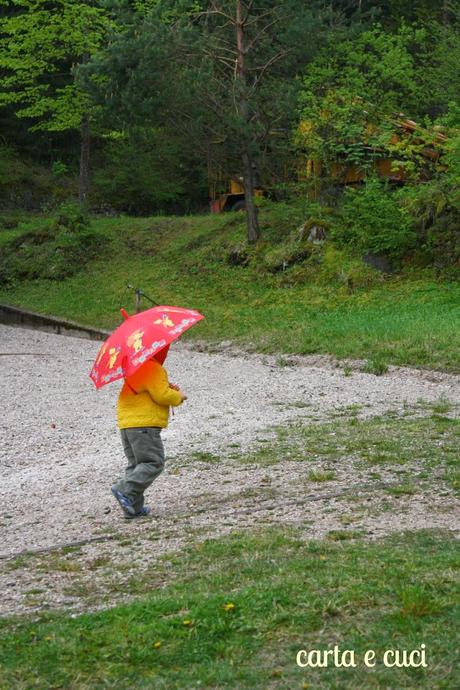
point(27, 185)
point(434, 209)
point(342, 268)
point(374, 222)
point(147, 173)
point(51, 250)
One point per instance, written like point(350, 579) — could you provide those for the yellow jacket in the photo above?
point(146, 397)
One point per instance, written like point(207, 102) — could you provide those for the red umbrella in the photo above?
point(138, 339)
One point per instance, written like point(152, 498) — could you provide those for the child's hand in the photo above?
point(177, 388)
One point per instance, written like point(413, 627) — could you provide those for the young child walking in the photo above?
point(143, 411)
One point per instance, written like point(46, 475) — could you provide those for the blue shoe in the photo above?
point(143, 512)
point(126, 505)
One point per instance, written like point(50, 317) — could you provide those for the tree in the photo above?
point(254, 54)
point(149, 111)
point(223, 72)
point(42, 45)
point(352, 91)
point(441, 79)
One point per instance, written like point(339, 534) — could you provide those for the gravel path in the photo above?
point(60, 450)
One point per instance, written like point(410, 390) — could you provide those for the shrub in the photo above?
point(238, 255)
point(329, 265)
point(434, 209)
point(28, 186)
point(52, 250)
point(340, 266)
point(374, 222)
point(146, 172)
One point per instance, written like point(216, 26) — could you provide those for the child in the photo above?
point(143, 411)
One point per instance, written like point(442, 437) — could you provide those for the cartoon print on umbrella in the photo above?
point(137, 339)
point(165, 321)
point(113, 356)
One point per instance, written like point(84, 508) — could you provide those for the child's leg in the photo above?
point(145, 447)
point(131, 466)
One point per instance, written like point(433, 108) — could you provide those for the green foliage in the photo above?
point(329, 265)
point(343, 268)
point(50, 250)
point(9, 220)
point(440, 78)
point(434, 207)
point(285, 255)
point(59, 168)
point(374, 222)
point(436, 222)
point(27, 185)
point(71, 218)
point(351, 88)
point(177, 71)
point(146, 171)
point(168, 67)
point(41, 46)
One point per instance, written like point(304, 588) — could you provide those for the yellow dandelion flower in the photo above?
point(157, 645)
point(229, 607)
point(187, 621)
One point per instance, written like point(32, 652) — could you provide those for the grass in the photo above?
point(239, 610)
point(375, 366)
point(403, 490)
point(319, 476)
point(205, 456)
point(401, 320)
point(424, 444)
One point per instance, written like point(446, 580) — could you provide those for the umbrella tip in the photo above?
point(124, 313)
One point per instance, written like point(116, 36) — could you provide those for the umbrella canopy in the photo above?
point(139, 338)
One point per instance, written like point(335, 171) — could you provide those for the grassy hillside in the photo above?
point(321, 300)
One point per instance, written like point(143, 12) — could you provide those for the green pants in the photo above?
point(146, 460)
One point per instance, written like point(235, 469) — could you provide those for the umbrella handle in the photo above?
point(124, 313)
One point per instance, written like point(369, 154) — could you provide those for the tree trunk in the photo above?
point(246, 157)
point(251, 208)
point(84, 159)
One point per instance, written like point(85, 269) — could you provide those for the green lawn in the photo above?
point(239, 609)
point(334, 307)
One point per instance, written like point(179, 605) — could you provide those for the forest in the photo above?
point(158, 107)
